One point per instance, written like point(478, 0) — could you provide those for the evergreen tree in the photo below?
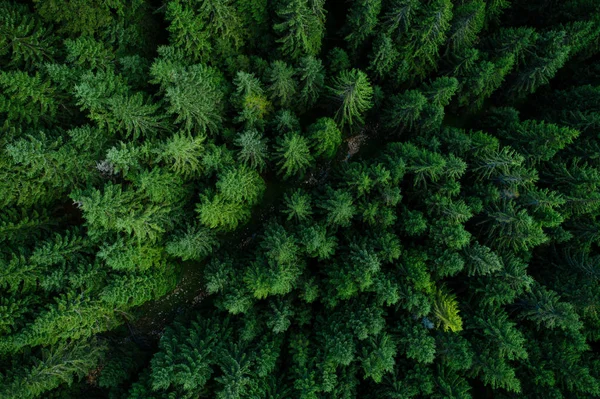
point(352, 94)
point(327, 137)
point(293, 154)
point(283, 86)
point(194, 94)
point(361, 21)
point(311, 76)
point(253, 149)
point(449, 252)
point(301, 28)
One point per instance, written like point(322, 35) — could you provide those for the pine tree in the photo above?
point(216, 212)
point(250, 99)
point(384, 56)
point(240, 185)
point(253, 149)
point(352, 94)
point(88, 53)
point(361, 21)
point(80, 16)
point(542, 65)
point(298, 206)
point(293, 154)
point(538, 140)
point(193, 243)
point(467, 22)
point(340, 208)
point(283, 85)
point(26, 98)
point(181, 152)
point(301, 27)
point(188, 31)
point(446, 312)
point(54, 366)
point(405, 110)
point(327, 137)
point(194, 94)
point(24, 39)
point(311, 76)
point(285, 121)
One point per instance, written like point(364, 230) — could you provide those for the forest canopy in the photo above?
point(311, 199)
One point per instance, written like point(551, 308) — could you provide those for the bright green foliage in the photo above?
point(293, 154)
point(121, 211)
point(326, 137)
point(216, 212)
point(181, 153)
point(445, 310)
point(352, 94)
point(124, 254)
point(135, 289)
point(240, 185)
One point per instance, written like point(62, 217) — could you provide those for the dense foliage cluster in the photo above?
point(382, 199)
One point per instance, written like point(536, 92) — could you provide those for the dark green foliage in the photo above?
point(311, 76)
point(293, 154)
point(194, 94)
point(299, 199)
point(282, 85)
point(252, 149)
point(362, 20)
point(301, 27)
point(352, 94)
point(25, 40)
point(26, 98)
point(327, 137)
